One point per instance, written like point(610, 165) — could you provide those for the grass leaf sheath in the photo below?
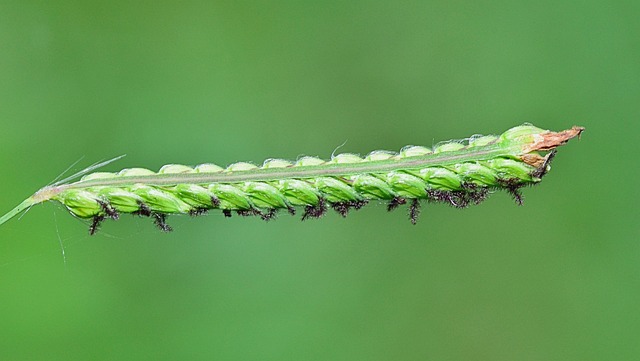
point(458, 173)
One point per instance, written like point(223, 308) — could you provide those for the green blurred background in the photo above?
point(194, 82)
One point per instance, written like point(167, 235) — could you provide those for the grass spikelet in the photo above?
point(459, 173)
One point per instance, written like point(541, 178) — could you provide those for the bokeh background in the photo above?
point(225, 81)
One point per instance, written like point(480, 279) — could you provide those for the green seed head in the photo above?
point(458, 173)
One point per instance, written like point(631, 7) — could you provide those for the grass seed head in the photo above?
point(458, 173)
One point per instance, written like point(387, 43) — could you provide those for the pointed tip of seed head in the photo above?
point(550, 140)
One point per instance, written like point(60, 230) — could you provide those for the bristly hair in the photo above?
point(315, 211)
point(160, 220)
point(414, 211)
point(395, 203)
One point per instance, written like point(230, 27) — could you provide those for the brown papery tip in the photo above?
point(551, 140)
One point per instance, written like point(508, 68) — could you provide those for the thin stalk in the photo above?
point(18, 209)
point(302, 172)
